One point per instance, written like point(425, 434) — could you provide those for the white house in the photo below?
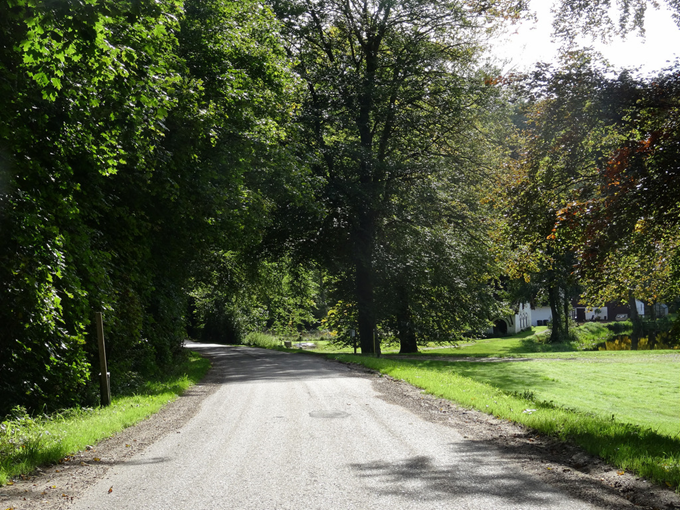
point(541, 315)
point(512, 324)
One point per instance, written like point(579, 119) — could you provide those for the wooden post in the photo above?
point(104, 383)
point(375, 349)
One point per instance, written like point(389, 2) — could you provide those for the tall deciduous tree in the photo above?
point(392, 97)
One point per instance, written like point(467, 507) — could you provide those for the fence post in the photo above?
point(104, 382)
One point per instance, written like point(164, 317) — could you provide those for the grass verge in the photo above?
point(27, 442)
point(628, 446)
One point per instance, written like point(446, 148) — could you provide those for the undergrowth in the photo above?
point(264, 340)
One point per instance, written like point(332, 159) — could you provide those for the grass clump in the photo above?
point(27, 442)
point(262, 340)
point(649, 453)
point(590, 334)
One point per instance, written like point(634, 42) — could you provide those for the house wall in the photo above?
point(589, 313)
point(523, 317)
point(598, 313)
point(515, 323)
point(540, 313)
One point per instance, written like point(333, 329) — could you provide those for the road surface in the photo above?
point(285, 431)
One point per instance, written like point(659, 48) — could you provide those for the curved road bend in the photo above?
point(286, 431)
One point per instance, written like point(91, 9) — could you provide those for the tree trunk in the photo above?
point(364, 284)
point(407, 335)
point(637, 322)
point(566, 314)
point(554, 299)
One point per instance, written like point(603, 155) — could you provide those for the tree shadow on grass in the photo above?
point(530, 345)
point(509, 377)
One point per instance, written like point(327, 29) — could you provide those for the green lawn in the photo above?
point(643, 391)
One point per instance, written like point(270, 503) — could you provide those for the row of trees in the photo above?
point(594, 190)
point(133, 138)
point(227, 166)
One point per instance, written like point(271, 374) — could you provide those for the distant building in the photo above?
point(515, 323)
point(541, 315)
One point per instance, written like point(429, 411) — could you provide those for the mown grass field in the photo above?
point(642, 391)
point(27, 442)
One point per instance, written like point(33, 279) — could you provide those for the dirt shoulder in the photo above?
point(559, 464)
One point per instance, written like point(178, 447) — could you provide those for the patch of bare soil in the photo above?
point(562, 465)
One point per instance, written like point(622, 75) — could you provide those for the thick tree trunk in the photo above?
point(364, 290)
point(364, 238)
point(407, 335)
point(636, 320)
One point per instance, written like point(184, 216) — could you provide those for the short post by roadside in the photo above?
point(104, 376)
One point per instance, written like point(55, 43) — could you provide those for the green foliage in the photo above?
point(78, 113)
point(251, 296)
point(132, 146)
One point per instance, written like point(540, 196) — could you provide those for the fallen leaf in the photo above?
point(620, 472)
point(10, 483)
point(97, 459)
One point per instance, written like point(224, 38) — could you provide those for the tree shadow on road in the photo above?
point(234, 364)
point(475, 473)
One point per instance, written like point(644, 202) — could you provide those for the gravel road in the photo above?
point(270, 430)
point(295, 432)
